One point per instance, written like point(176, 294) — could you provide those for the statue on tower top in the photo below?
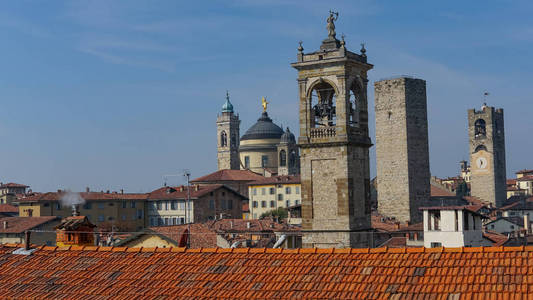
point(333, 16)
point(264, 103)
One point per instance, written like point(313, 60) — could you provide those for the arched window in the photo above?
point(323, 100)
point(480, 147)
point(223, 139)
point(354, 109)
point(292, 158)
point(480, 128)
point(282, 158)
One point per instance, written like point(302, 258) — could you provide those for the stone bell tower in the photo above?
point(487, 154)
point(334, 143)
point(228, 137)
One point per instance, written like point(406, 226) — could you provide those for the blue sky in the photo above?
point(116, 94)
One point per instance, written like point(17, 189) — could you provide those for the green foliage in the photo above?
point(281, 213)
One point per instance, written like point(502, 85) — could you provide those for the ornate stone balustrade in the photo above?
point(322, 132)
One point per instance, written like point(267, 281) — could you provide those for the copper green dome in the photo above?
point(227, 107)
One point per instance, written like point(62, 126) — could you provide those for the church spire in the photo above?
point(227, 107)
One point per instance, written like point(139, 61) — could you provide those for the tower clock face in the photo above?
point(481, 163)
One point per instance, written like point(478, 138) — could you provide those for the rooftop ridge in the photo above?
point(282, 250)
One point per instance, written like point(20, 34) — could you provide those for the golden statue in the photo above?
point(264, 103)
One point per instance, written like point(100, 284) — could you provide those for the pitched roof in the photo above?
point(8, 208)
point(21, 224)
point(525, 178)
point(12, 185)
point(440, 192)
point(380, 273)
point(180, 192)
point(496, 238)
point(74, 222)
point(90, 196)
point(524, 171)
point(229, 175)
point(200, 235)
point(282, 179)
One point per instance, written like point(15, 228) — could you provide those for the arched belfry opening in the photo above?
point(323, 105)
point(282, 158)
point(223, 139)
point(480, 128)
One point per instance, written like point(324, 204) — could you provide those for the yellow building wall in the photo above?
point(293, 197)
point(150, 241)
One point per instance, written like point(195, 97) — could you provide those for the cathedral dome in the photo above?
point(264, 128)
point(288, 137)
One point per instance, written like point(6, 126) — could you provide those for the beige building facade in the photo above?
point(273, 193)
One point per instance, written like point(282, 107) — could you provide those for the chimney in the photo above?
point(75, 211)
point(526, 223)
point(5, 224)
point(87, 189)
point(26, 240)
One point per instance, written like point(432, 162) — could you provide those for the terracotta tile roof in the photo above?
point(241, 225)
point(8, 208)
point(511, 181)
point(472, 208)
point(524, 171)
point(12, 185)
point(21, 224)
point(381, 223)
point(172, 273)
point(91, 196)
point(498, 239)
point(201, 236)
point(229, 175)
point(180, 192)
point(74, 222)
point(286, 179)
point(514, 188)
point(525, 178)
point(440, 192)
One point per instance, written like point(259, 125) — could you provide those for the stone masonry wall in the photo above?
point(402, 151)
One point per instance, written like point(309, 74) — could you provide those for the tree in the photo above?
point(280, 213)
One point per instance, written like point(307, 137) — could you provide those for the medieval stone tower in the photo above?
point(289, 159)
point(487, 154)
point(228, 137)
point(402, 151)
point(334, 143)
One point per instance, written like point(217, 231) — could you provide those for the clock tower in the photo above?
point(334, 143)
point(487, 154)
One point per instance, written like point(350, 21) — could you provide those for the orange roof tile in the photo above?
point(287, 179)
point(381, 273)
point(8, 208)
point(21, 224)
point(440, 192)
point(229, 175)
point(180, 192)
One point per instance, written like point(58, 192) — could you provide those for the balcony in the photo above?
point(322, 132)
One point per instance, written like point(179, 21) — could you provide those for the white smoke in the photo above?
point(70, 198)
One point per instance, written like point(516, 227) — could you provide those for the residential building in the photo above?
point(238, 180)
point(123, 211)
point(524, 172)
point(244, 273)
point(272, 193)
point(525, 183)
point(453, 226)
point(75, 231)
point(12, 230)
point(169, 206)
point(506, 225)
point(10, 191)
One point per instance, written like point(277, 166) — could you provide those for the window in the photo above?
point(182, 220)
point(263, 204)
point(287, 203)
point(434, 220)
point(282, 158)
point(288, 190)
point(292, 159)
point(160, 221)
point(255, 216)
point(297, 202)
point(280, 197)
point(512, 226)
point(247, 162)
point(100, 205)
point(101, 218)
point(272, 204)
point(110, 218)
point(174, 221)
point(133, 204)
point(492, 226)
point(223, 203)
point(230, 204)
point(58, 206)
point(436, 245)
point(456, 220)
point(124, 204)
point(254, 204)
point(223, 139)
point(140, 214)
point(166, 205)
point(211, 204)
point(181, 205)
point(254, 191)
point(263, 191)
point(46, 204)
point(166, 221)
point(174, 205)
point(154, 205)
point(264, 161)
point(272, 191)
point(465, 221)
point(297, 190)
point(124, 218)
